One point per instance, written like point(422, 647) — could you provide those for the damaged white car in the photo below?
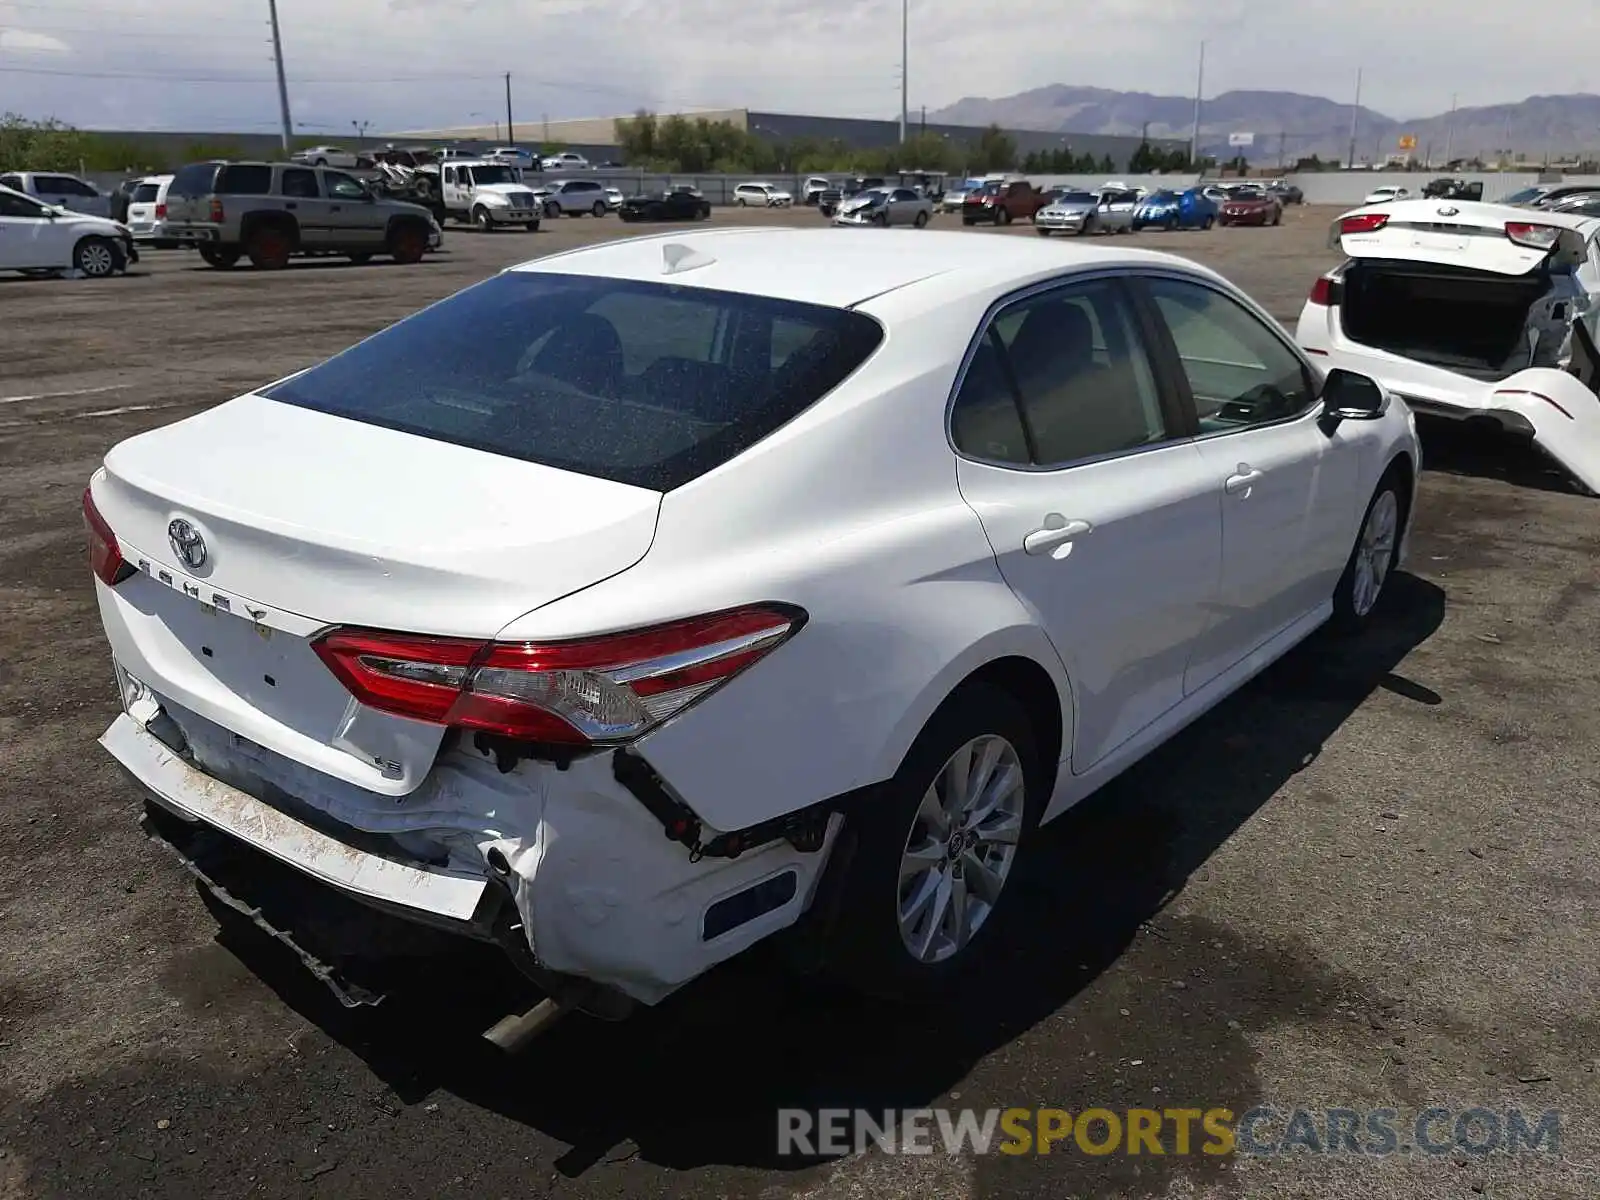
point(627, 607)
point(1471, 311)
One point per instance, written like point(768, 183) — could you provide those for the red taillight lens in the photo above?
point(161, 212)
point(606, 689)
point(1363, 223)
point(216, 211)
point(1322, 291)
point(1534, 237)
point(105, 556)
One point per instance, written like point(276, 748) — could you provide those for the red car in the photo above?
point(1251, 206)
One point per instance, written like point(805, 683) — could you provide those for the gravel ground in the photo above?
point(1366, 881)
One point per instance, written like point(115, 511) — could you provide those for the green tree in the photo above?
point(1107, 164)
point(995, 150)
point(1144, 159)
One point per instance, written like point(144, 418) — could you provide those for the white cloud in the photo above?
point(26, 41)
point(430, 63)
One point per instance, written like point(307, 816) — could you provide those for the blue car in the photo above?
point(1176, 210)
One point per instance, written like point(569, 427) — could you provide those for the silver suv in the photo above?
point(574, 197)
point(268, 212)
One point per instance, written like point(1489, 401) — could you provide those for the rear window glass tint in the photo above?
point(145, 193)
point(245, 181)
point(194, 180)
point(647, 384)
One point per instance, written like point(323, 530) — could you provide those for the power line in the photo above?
point(121, 11)
point(170, 77)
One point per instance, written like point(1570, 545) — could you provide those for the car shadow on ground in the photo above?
point(1089, 973)
point(1481, 451)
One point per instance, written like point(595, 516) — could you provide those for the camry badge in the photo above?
point(187, 544)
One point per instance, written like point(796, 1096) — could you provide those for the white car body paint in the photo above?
point(1559, 411)
point(895, 561)
point(39, 236)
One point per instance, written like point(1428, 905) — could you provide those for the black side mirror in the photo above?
point(1348, 396)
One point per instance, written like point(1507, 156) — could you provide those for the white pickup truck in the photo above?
point(488, 194)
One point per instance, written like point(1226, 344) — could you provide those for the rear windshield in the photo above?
point(647, 384)
point(194, 180)
point(145, 193)
point(1075, 198)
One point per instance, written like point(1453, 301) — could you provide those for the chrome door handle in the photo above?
point(1056, 529)
point(1244, 475)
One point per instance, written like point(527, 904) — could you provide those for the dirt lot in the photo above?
point(1367, 881)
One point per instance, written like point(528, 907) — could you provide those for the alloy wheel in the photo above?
point(961, 848)
point(1375, 552)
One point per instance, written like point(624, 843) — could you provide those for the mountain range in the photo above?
point(1290, 126)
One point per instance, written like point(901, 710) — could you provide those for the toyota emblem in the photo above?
point(187, 544)
point(1448, 210)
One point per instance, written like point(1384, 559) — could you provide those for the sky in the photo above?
point(411, 64)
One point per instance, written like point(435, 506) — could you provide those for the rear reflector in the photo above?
point(105, 556)
point(1363, 223)
point(591, 691)
point(1531, 235)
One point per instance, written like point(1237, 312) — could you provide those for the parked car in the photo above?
point(1070, 212)
point(1286, 192)
point(147, 210)
point(814, 187)
point(331, 156)
point(1385, 195)
point(565, 161)
point(41, 239)
point(570, 705)
point(761, 195)
point(1189, 209)
point(1002, 203)
point(1556, 195)
point(1452, 189)
point(1250, 206)
point(828, 203)
point(574, 197)
point(885, 206)
point(1583, 204)
point(516, 156)
point(1215, 193)
point(956, 194)
point(489, 193)
point(614, 199)
point(62, 191)
point(271, 212)
point(1470, 311)
point(673, 205)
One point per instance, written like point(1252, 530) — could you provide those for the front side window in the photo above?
point(643, 383)
point(1071, 368)
point(1240, 372)
point(21, 207)
point(300, 183)
point(343, 187)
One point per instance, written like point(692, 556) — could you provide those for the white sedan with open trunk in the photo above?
point(647, 600)
point(1471, 311)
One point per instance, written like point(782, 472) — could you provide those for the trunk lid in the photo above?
point(351, 523)
point(311, 520)
point(1461, 233)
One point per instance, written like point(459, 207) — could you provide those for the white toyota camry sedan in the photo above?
point(645, 600)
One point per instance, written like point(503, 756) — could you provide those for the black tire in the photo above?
point(705, 213)
point(482, 219)
point(407, 242)
point(1002, 217)
point(921, 221)
point(361, 259)
point(599, 208)
point(321, 162)
point(1089, 226)
point(531, 226)
point(1207, 223)
point(1351, 613)
point(867, 950)
point(268, 248)
point(97, 258)
point(222, 260)
point(1042, 232)
point(739, 200)
point(1171, 225)
point(552, 210)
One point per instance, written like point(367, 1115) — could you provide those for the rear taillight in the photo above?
point(161, 212)
point(1362, 223)
point(1322, 291)
point(216, 211)
point(589, 691)
point(1534, 237)
point(105, 556)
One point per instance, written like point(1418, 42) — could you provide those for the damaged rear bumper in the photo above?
point(595, 890)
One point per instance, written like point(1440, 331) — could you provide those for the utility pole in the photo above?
point(1449, 131)
point(1355, 117)
point(1199, 86)
point(511, 132)
point(905, 65)
point(924, 127)
point(1282, 138)
point(283, 86)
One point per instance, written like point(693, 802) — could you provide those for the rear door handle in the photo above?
point(1241, 480)
point(1056, 529)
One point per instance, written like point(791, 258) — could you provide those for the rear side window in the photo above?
point(193, 180)
point(646, 384)
point(145, 193)
point(252, 180)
